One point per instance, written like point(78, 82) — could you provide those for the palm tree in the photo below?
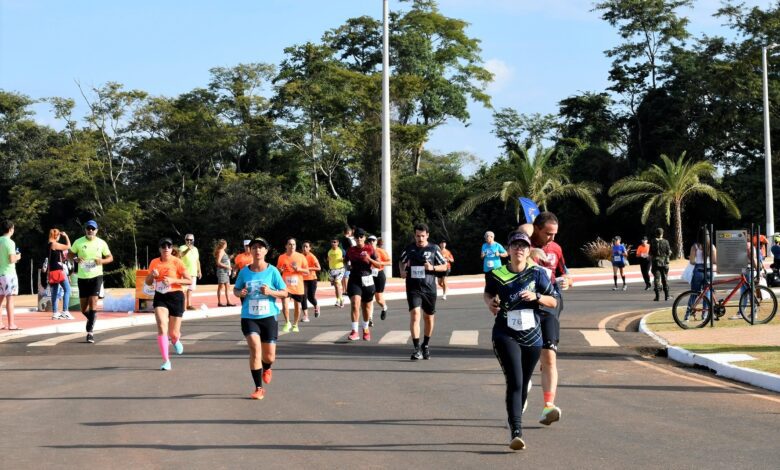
point(533, 178)
point(669, 188)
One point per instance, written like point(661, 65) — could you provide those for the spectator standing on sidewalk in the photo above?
point(660, 251)
point(643, 255)
point(91, 253)
point(57, 274)
point(191, 259)
point(9, 283)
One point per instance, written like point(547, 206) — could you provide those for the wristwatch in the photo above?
point(538, 297)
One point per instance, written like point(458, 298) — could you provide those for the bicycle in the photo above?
point(691, 309)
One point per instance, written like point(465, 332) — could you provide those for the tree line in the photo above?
point(294, 149)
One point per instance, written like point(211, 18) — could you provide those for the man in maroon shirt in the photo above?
point(542, 233)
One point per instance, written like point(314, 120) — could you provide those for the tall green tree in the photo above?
point(435, 51)
point(533, 177)
point(668, 189)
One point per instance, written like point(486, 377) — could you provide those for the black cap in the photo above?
point(259, 240)
point(359, 233)
point(518, 237)
point(165, 241)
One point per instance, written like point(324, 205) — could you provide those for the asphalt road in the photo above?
point(337, 405)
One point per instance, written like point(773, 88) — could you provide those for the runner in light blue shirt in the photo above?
point(492, 252)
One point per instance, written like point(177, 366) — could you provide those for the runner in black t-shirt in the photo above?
point(419, 262)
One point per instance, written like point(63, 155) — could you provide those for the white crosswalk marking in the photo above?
point(465, 338)
point(189, 339)
point(126, 338)
point(599, 338)
point(58, 339)
point(395, 337)
point(329, 337)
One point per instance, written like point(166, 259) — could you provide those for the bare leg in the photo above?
point(414, 322)
point(429, 322)
point(549, 373)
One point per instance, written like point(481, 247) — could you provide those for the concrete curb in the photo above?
point(722, 369)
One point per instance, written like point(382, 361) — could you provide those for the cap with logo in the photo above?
point(258, 240)
point(515, 237)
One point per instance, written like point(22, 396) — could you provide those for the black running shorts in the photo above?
point(90, 287)
point(267, 328)
point(424, 300)
point(173, 301)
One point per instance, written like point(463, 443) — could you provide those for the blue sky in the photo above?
point(540, 51)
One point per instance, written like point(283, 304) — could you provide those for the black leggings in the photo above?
point(518, 363)
point(310, 292)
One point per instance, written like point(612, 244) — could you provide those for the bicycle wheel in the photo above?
point(691, 309)
point(765, 303)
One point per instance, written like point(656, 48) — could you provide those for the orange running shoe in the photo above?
point(366, 334)
point(258, 394)
point(267, 375)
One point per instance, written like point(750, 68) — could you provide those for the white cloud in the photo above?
point(502, 74)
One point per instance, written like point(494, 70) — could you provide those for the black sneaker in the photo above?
point(90, 338)
point(370, 322)
point(383, 315)
point(516, 441)
point(426, 352)
point(416, 355)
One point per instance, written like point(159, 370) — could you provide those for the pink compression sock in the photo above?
point(162, 342)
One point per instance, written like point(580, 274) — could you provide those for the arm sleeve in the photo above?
point(240, 282)
point(438, 258)
point(491, 286)
point(278, 282)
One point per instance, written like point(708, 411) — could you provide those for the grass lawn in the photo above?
point(661, 320)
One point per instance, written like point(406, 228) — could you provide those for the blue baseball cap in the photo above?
point(91, 223)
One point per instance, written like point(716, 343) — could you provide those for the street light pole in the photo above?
point(387, 221)
point(770, 211)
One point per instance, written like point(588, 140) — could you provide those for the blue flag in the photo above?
point(530, 209)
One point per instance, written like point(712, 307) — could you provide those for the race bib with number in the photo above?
point(418, 272)
point(291, 281)
point(88, 265)
point(368, 281)
point(490, 263)
point(259, 307)
point(148, 290)
point(162, 287)
point(375, 272)
point(521, 320)
point(617, 258)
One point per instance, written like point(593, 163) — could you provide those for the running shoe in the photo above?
point(67, 316)
point(340, 303)
point(317, 312)
point(90, 338)
point(426, 352)
point(516, 443)
point(57, 316)
point(305, 319)
point(258, 394)
point(178, 347)
point(614, 288)
point(268, 375)
point(444, 297)
point(191, 308)
point(366, 334)
point(371, 322)
point(527, 394)
point(353, 336)
point(550, 414)
point(416, 355)
point(295, 329)
point(286, 327)
point(625, 287)
point(166, 365)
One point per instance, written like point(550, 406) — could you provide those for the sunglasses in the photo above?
point(189, 240)
point(166, 246)
point(90, 229)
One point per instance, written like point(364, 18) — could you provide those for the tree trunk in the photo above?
point(678, 239)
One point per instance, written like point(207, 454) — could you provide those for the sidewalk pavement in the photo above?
point(33, 322)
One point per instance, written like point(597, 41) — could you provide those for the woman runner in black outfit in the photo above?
point(513, 294)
